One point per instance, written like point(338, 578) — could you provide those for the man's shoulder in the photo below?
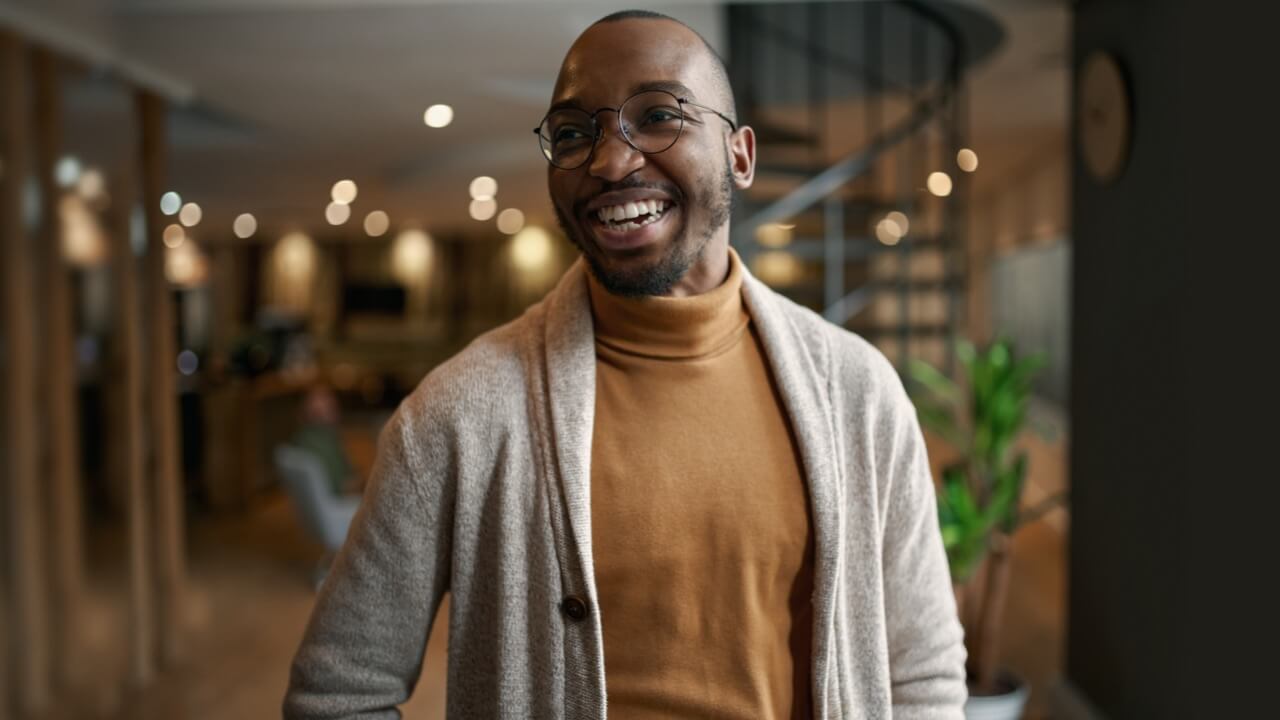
point(490, 370)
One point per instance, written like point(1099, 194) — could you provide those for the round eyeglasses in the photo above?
point(650, 121)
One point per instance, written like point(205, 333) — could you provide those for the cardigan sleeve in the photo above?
point(926, 641)
point(362, 650)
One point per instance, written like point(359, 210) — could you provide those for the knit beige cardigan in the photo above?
point(481, 489)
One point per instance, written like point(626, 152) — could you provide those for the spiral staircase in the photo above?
point(855, 106)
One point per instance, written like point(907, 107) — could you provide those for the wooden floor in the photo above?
point(251, 595)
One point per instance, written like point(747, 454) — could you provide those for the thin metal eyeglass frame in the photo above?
point(681, 101)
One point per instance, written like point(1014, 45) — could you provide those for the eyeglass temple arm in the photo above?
point(732, 125)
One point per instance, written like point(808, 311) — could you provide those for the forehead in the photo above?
point(612, 60)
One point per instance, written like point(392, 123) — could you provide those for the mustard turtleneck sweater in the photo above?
point(701, 533)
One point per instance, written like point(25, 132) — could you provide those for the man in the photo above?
point(665, 491)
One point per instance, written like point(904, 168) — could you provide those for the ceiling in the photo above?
point(278, 99)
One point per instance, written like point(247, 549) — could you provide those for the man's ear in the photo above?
point(742, 156)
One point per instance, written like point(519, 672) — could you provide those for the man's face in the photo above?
point(687, 188)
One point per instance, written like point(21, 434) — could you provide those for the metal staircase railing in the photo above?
point(782, 55)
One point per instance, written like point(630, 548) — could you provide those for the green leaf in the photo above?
point(941, 421)
point(931, 378)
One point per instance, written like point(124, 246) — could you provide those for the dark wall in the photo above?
point(1172, 463)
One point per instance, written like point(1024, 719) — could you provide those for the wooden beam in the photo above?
point(60, 383)
point(24, 545)
point(166, 468)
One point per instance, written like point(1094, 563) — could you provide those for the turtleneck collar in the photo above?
point(671, 327)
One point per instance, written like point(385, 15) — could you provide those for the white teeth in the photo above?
point(617, 213)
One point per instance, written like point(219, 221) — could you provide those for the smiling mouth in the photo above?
point(632, 215)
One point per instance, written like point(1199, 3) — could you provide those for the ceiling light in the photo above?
point(190, 214)
point(484, 187)
point(438, 116)
point(967, 160)
point(170, 203)
point(939, 183)
point(376, 223)
point(510, 221)
point(344, 192)
point(245, 226)
point(337, 213)
point(483, 209)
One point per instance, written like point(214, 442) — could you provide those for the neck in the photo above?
point(711, 269)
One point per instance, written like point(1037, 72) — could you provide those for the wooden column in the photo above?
point(60, 383)
point(28, 621)
point(127, 440)
point(166, 469)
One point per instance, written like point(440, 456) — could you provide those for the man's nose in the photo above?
point(614, 158)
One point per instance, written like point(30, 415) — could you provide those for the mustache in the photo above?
point(670, 189)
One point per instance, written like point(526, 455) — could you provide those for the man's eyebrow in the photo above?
point(566, 104)
point(678, 89)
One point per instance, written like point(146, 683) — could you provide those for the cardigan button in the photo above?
point(574, 608)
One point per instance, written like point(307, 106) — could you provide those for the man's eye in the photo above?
point(569, 134)
point(660, 115)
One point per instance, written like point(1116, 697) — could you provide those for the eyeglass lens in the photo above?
point(650, 122)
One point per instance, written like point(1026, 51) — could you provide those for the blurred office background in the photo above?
point(231, 226)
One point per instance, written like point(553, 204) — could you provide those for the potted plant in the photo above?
point(979, 500)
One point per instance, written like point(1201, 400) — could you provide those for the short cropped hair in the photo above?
point(723, 88)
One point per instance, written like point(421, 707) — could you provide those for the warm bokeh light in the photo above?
point(939, 183)
point(531, 249)
point(967, 160)
point(295, 259)
point(245, 226)
point(376, 223)
point(900, 222)
point(91, 185)
point(174, 235)
point(888, 232)
point(170, 203)
point(774, 235)
point(344, 192)
point(83, 241)
point(185, 265)
point(777, 267)
point(411, 256)
point(190, 214)
point(337, 213)
point(438, 116)
point(510, 221)
point(483, 209)
point(67, 171)
point(483, 188)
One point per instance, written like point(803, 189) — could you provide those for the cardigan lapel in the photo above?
point(571, 389)
point(799, 375)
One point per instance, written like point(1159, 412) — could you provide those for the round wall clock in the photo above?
point(1103, 116)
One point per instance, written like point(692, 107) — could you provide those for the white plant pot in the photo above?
point(1005, 706)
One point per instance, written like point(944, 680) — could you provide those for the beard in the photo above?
point(713, 196)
